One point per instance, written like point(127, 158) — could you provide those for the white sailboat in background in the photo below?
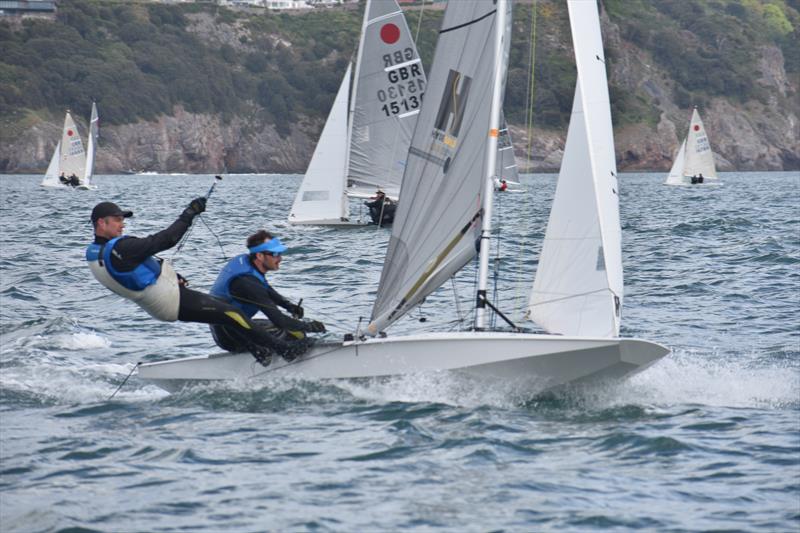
point(577, 296)
point(94, 130)
point(694, 163)
point(507, 175)
point(69, 159)
point(364, 145)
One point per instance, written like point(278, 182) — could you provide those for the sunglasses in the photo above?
point(273, 254)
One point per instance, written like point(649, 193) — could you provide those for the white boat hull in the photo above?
point(329, 222)
point(540, 361)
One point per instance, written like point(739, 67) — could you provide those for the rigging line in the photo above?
point(571, 296)
point(530, 92)
point(419, 25)
point(124, 380)
point(219, 243)
point(519, 297)
point(497, 259)
point(455, 297)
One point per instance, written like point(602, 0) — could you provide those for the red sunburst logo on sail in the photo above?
point(69, 133)
point(390, 33)
point(697, 127)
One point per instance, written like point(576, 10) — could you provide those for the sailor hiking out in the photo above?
point(243, 284)
point(127, 266)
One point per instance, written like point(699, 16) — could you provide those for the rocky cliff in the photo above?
point(756, 134)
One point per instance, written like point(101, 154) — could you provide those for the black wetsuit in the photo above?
point(378, 217)
point(248, 289)
point(194, 306)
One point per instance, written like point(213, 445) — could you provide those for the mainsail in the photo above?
point(441, 207)
point(699, 157)
point(320, 198)
point(578, 286)
point(387, 96)
point(73, 158)
point(92, 146)
point(506, 162)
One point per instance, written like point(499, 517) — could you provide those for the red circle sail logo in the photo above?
point(390, 33)
point(69, 133)
point(697, 127)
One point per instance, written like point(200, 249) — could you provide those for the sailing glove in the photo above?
point(296, 311)
point(315, 326)
point(196, 206)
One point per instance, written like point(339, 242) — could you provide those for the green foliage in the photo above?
point(709, 47)
point(140, 60)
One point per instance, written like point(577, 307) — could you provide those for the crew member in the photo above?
point(242, 283)
point(381, 209)
point(127, 266)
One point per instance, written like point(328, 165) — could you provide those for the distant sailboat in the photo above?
point(364, 144)
point(694, 163)
point(71, 166)
point(507, 174)
point(447, 203)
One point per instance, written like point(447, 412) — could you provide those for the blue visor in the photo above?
point(274, 246)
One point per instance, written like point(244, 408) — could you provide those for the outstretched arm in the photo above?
point(132, 251)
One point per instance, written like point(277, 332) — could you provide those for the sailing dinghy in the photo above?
point(69, 157)
point(577, 295)
point(364, 143)
point(694, 163)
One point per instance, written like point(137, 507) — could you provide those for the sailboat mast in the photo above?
point(491, 164)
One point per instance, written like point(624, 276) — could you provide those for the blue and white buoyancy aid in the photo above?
point(152, 285)
point(238, 266)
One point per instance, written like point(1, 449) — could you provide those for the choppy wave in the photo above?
point(705, 439)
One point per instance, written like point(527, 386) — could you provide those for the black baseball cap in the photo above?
point(108, 209)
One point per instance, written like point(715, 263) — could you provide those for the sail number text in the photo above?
point(404, 91)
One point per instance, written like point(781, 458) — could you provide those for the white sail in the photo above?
point(699, 157)
point(387, 96)
point(52, 173)
point(92, 146)
point(321, 198)
point(506, 161)
point(675, 176)
point(578, 285)
point(73, 158)
point(441, 197)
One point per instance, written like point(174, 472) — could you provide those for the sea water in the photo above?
point(706, 439)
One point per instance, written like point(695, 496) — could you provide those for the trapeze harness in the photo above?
point(152, 285)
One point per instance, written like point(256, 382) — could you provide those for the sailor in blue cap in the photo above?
point(243, 283)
